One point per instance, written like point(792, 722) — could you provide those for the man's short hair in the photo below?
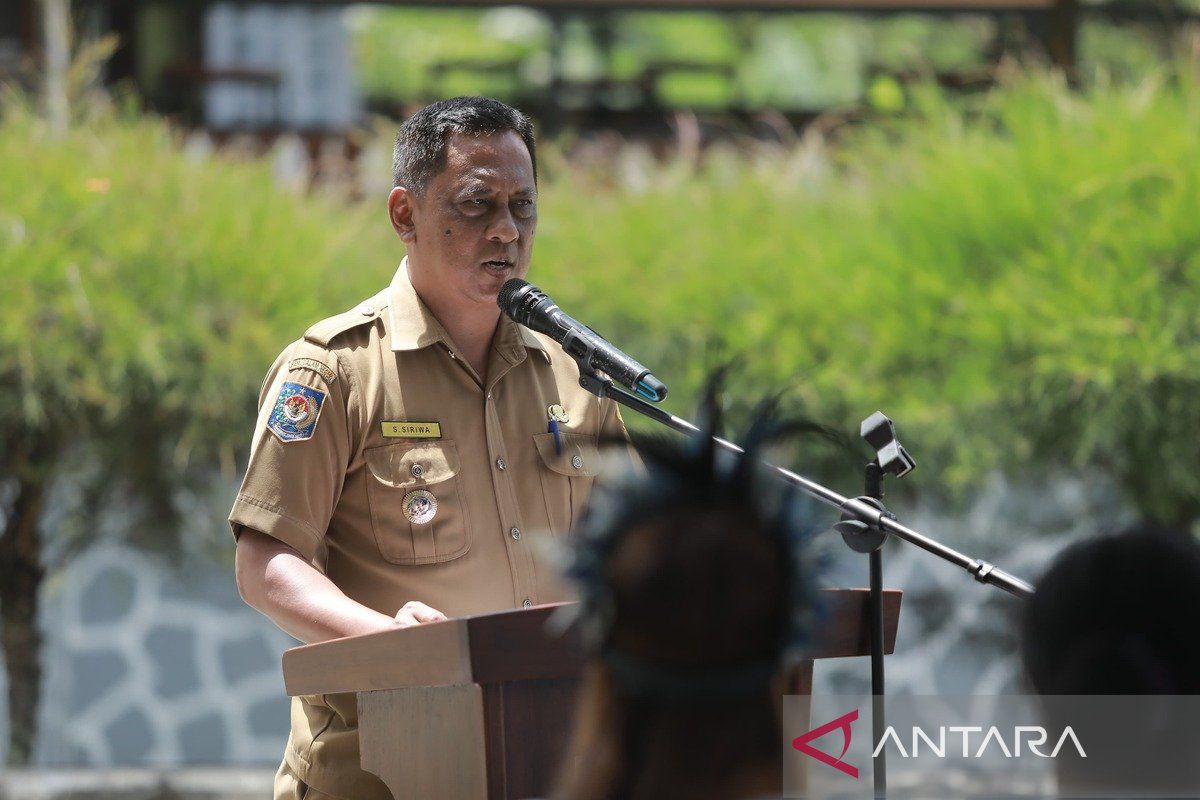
point(420, 151)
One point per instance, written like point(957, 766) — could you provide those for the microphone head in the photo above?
point(527, 305)
point(508, 299)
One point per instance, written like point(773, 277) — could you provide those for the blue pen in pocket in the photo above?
point(557, 415)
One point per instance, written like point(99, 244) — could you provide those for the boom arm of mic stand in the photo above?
point(851, 507)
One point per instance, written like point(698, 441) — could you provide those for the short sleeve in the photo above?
point(612, 433)
point(612, 426)
point(300, 451)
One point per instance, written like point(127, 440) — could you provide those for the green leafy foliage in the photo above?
point(1013, 280)
point(1016, 281)
point(396, 51)
point(146, 291)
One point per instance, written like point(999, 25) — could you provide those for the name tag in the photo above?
point(412, 430)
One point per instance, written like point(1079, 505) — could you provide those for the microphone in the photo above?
point(530, 306)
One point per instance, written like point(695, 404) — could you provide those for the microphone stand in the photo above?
point(865, 524)
point(865, 510)
point(893, 459)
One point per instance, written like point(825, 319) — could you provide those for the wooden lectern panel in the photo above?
point(410, 737)
point(528, 726)
point(846, 630)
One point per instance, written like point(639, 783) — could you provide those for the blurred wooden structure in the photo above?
point(480, 707)
point(162, 52)
point(18, 35)
point(150, 29)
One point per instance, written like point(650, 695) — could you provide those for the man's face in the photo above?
point(472, 228)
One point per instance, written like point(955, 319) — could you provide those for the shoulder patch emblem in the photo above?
point(316, 366)
point(297, 408)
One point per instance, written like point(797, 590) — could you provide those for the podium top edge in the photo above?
point(513, 644)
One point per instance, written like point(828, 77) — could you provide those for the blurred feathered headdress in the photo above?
point(697, 475)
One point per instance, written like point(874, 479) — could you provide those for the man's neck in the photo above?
point(470, 328)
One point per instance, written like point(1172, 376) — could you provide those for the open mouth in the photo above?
point(500, 265)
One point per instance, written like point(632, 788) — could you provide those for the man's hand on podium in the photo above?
point(414, 612)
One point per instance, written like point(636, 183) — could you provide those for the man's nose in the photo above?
point(503, 228)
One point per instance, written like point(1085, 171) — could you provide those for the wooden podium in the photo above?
point(480, 707)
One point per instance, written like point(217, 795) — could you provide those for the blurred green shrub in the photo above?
point(147, 287)
point(396, 49)
point(1016, 281)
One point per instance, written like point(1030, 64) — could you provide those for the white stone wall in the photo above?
point(157, 665)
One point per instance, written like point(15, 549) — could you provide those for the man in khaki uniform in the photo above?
point(403, 468)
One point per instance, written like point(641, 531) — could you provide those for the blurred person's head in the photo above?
point(465, 199)
point(693, 593)
point(1114, 616)
point(1108, 617)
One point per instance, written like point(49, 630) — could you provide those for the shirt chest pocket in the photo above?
point(416, 502)
point(566, 474)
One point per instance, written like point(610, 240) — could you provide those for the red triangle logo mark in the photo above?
point(801, 743)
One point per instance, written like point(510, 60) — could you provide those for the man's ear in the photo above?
point(400, 211)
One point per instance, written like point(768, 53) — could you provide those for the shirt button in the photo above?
point(489, 395)
point(451, 352)
point(577, 462)
point(527, 603)
point(516, 533)
point(367, 311)
point(500, 464)
point(417, 470)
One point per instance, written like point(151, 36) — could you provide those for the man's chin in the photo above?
point(487, 292)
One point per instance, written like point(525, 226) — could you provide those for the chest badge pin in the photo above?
point(420, 506)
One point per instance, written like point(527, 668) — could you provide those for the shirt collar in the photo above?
point(414, 326)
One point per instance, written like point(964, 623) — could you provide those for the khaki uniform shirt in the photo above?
point(371, 422)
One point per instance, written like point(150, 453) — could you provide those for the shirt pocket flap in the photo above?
point(579, 458)
point(412, 464)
